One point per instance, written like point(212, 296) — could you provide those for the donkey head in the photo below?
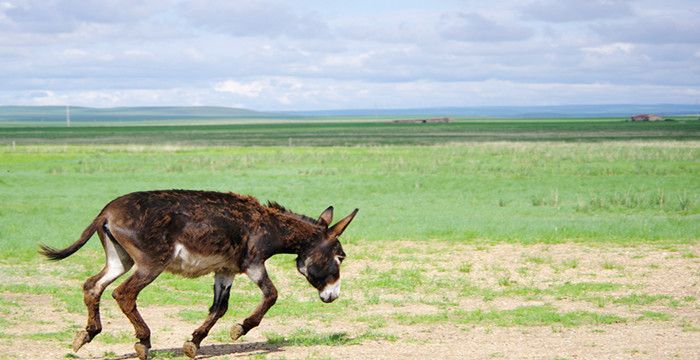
point(321, 263)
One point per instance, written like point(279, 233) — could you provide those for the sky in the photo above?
point(316, 55)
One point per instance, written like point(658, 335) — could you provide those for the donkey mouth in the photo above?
point(327, 299)
point(330, 292)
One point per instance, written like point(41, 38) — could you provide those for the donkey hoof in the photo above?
point(236, 332)
point(190, 349)
point(81, 338)
point(141, 351)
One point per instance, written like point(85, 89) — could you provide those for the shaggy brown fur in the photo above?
point(193, 233)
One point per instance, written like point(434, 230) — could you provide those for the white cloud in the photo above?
point(611, 49)
point(347, 60)
point(75, 53)
point(253, 18)
point(661, 30)
point(138, 54)
point(310, 94)
point(64, 16)
point(475, 27)
point(194, 54)
point(577, 10)
point(279, 91)
point(250, 89)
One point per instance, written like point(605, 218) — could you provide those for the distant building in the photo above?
point(646, 117)
point(423, 121)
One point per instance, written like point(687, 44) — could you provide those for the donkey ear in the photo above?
point(326, 216)
point(338, 228)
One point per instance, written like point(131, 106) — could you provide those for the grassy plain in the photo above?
point(348, 132)
point(521, 192)
point(579, 230)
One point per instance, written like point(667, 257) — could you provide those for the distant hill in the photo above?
point(155, 113)
point(77, 113)
point(556, 111)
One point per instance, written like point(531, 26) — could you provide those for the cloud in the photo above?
point(610, 49)
point(60, 16)
point(329, 94)
point(110, 97)
point(559, 11)
point(397, 27)
point(659, 30)
point(284, 90)
point(295, 54)
point(253, 18)
point(250, 89)
point(475, 27)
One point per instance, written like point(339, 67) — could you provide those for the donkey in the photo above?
point(194, 233)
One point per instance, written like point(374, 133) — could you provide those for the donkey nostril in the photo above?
point(330, 292)
point(328, 298)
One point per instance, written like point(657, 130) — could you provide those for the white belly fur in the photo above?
point(191, 264)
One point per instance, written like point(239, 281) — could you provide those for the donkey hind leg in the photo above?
point(126, 294)
point(118, 262)
point(258, 274)
point(222, 289)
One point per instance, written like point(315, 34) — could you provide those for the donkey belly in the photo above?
point(191, 264)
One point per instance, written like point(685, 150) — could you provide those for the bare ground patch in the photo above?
point(404, 299)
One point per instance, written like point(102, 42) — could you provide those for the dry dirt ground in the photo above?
point(656, 300)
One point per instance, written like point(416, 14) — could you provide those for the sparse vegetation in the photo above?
point(521, 316)
point(122, 337)
point(640, 299)
point(607, 265)
point(465, 267)
point(308, 337)
point(378, 296)
point(654, 315)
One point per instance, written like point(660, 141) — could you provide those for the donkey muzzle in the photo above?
point(330, 292)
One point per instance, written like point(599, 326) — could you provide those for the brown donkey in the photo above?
point(194, 233)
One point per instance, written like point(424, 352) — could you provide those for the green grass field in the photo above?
point(471, 226)
point(523, 192)
point(353, 133)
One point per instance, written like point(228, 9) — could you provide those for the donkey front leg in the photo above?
point(258, 274)
point(222, 289)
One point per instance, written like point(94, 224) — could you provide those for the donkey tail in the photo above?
point(56, 254)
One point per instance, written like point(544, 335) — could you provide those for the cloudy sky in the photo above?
point(314, 54)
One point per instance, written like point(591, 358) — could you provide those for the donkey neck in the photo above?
point(292, 235)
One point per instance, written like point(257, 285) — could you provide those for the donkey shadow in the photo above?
point(208, 351)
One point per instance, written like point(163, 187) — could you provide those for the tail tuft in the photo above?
point(56, 254)
point(52, 253)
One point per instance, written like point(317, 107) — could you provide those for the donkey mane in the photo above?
point(284, 210)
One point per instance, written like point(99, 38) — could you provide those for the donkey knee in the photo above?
point(122, 298)
point(117, 295)
point(91, 290)
point(89, 284)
